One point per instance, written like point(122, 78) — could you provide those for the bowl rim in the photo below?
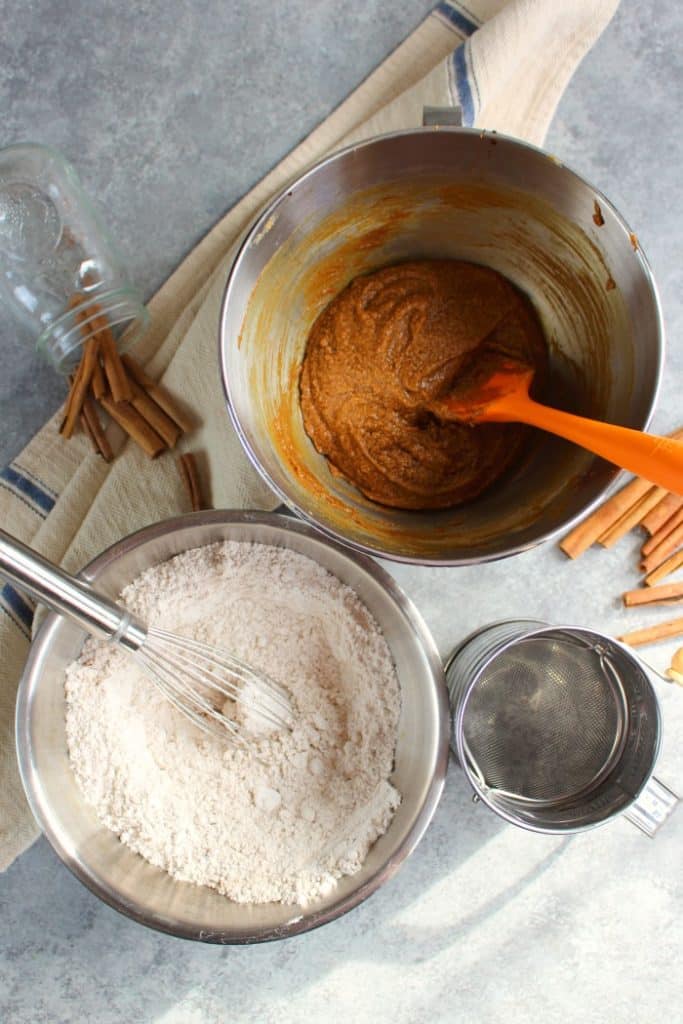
point(258, 224)
point(302, 920)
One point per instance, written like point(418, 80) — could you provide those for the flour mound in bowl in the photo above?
point(285, 819)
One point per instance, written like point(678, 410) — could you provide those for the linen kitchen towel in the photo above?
point(505, 63)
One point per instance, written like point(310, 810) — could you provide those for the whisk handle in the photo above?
point(49, 584)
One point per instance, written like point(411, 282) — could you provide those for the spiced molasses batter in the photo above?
point(391, 344)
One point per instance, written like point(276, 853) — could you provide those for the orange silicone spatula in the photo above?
point(504, 398)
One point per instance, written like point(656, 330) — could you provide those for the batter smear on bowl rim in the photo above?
point(391, 344)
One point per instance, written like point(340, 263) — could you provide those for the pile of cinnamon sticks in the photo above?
point(117, 385)
point(659, 514)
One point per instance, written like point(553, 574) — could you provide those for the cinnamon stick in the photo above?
point(653, 634)
point(89, 434)
point(94, 324)
point(79, 388)
point(135, 425)
point(604, 518)
point(153, 421)
point(675, 669)
point(158, 393)
point(188, 471)
point(90, 422)
point(669, 543)
point(118, 382)
point(156, 417)
point(664, 530)
point(661, 512)
point(113, 371)
point(86, 320)
point(632, 517)
point(73, 379)
point(98, 385)
point(670, 565)
point(666, 593)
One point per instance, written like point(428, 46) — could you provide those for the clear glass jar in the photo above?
point(59, 269)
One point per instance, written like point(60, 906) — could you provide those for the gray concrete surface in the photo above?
point(171, 111)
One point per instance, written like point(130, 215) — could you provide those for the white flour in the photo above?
point(283, 826)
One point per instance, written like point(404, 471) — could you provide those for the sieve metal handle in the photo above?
point(655, 804)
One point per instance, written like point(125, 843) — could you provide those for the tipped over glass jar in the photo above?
point(60, 271)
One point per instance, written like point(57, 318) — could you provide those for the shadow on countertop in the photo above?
point(80, 960)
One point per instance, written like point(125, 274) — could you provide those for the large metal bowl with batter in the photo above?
point(124, 879)
point(462, 194)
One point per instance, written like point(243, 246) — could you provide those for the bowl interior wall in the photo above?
point(147, 893)
point(387, 204)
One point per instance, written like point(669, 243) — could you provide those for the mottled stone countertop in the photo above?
point(171, 111)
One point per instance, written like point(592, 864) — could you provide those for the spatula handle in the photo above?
point(658, 459)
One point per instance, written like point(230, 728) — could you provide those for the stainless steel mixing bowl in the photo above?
point(122, 878)
point(470, 195)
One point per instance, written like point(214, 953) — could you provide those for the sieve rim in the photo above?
point(611, 758)
point(508, 807)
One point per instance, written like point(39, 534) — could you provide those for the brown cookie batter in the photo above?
point(390, 344)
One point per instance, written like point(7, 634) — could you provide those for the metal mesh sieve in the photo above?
point(545, 721)
point(557, 728)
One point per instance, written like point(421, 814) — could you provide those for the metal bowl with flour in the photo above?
point(444, 193)
point(125, 880)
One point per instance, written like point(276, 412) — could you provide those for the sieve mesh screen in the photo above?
point(546, 719)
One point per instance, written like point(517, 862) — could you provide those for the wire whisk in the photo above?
point(193, 676)
point(216, 691)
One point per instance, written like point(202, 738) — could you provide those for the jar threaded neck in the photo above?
point(123, 311)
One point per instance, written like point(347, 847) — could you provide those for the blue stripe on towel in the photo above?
point(28, 488)
point(36, 479)
point(14, 602)
point(463, 85)
point(456, 18)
